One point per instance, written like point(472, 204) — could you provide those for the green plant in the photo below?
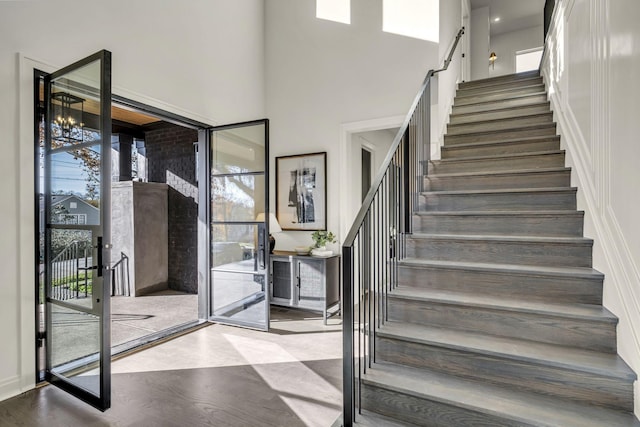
point(322, 237)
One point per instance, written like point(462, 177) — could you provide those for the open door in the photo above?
point(239, 241)
point(77, 228)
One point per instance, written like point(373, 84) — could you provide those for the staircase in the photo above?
point(498, 316)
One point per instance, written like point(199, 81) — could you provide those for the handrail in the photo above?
point(376, 242)
point(394, 146)
point(123, 271)
point(453, 49)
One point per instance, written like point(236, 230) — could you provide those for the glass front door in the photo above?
point(76, 212)
point(239, 242)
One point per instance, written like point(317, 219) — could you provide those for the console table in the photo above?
point(305, 281)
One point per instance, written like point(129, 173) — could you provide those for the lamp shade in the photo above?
point(274, 226)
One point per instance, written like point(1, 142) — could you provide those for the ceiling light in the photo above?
point(496, 19)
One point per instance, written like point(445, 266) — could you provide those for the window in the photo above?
point(73, 205)
point(527, 60)
point(334, 10)
point(419, 19)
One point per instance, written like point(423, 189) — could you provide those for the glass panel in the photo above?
point(237, 197)
point(75, 186)
point(70, 270)
point(77, 148)
point(234, 247)
point(239, 296)
point(75, 346)
point(238, 150)
point(75, 106)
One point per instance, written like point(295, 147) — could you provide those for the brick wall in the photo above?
point(171, 160)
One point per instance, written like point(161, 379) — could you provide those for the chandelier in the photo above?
point(67, 111)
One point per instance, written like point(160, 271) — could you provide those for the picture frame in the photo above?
point(301, 192)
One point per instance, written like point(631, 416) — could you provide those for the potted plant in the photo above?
point(321, 238)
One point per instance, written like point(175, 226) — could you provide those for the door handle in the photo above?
point(99, 264)
point(262, 256)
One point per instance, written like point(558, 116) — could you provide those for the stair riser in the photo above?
point(596, 335)
point(500, 135)
point(521, 225)
point(552, 160)
point(505, 85)
point(522, 253)
point(494, 182)
point(498, 80)
point(497, 115)
point(423, 412)
point(498, 95)
point(498, 104)
point(544, 144)
point(520, 374)
point(553, 289)
point(488, 126)
point(557, 200)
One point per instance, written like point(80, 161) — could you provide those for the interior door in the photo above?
point(76, 204)
point(239, 242)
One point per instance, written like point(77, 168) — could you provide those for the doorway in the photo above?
point(99, 155)
point(154, 214)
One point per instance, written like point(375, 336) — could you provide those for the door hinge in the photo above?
point(40, 337)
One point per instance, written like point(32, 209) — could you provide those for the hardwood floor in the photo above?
point(215, 376)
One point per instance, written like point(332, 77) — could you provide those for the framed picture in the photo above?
point(301, 191)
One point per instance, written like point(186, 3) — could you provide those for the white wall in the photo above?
point(480, 43)
point(507, 44)
point(446, 81)
point(321, 74)
point(201, 58)
point(591, 67)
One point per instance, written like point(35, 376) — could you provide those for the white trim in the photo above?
point(594, 173)
point(10, 387)
point(346, 130)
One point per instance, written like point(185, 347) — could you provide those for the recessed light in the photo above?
point(497, 19)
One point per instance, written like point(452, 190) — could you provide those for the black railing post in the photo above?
point(406, 186)
point(376, 243)
point(347, 338)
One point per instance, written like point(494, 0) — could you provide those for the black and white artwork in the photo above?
point(301, 194)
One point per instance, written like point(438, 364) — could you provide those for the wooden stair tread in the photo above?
point(499, 172)
point(504, 191)
point(502, 238)
point(498, 157)
point(502, 141)
point(505, 109)
point(501, 213)
point(505, 130)
point(519, 407)
point(533, 270)
point(581, 311)
point(514, 96)
point(510, 118)
point(573, 359)
point(499, 90)
point(497, 80)
point(528, 81)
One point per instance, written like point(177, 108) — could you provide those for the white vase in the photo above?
point(321, 251)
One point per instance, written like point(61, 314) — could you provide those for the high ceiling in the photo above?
point(514, 14)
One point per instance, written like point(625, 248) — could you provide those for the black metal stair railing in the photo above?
point(376, 241)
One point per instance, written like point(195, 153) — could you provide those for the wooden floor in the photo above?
point(215, 376)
